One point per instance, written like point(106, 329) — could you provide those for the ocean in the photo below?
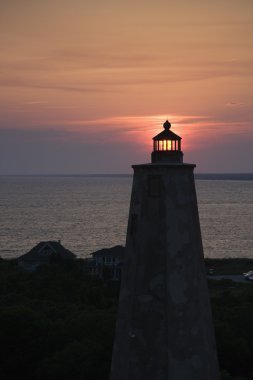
point(88, 213)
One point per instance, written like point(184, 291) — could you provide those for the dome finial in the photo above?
point(167, 125)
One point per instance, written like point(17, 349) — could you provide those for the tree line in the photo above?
point(58, 324)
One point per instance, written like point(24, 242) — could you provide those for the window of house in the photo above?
point(108, 259)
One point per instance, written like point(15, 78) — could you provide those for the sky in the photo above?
point(86, 84)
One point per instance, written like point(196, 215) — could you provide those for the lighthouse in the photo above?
point(164, 328)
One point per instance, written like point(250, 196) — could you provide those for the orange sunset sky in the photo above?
point(86, 84)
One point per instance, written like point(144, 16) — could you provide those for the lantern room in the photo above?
point(167, 146)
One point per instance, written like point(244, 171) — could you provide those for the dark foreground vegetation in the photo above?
point(58, 324)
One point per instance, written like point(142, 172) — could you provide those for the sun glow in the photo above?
point(140, 130)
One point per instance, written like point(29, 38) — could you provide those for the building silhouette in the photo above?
point(106, 263)
point(45, 252)
point(164, 328)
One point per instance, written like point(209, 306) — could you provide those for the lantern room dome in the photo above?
point(167, 146)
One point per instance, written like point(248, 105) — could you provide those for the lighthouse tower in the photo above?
point(164, 328)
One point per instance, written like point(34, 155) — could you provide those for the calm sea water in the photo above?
point(88, 213)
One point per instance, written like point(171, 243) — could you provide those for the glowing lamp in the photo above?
point(167, 146)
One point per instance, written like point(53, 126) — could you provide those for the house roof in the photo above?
point(116, 251)
point(167, 134)
point(47, 249)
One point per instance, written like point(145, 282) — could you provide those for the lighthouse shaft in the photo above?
point(164, 328)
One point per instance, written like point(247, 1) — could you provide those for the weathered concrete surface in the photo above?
point(164, 329)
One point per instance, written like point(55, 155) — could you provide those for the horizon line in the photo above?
point(107, 174)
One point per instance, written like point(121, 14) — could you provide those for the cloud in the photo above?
point(49, 85)
point(93, 71)
point(111, 145)
point(235, 104)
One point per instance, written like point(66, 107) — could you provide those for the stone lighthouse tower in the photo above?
point(164, 329)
